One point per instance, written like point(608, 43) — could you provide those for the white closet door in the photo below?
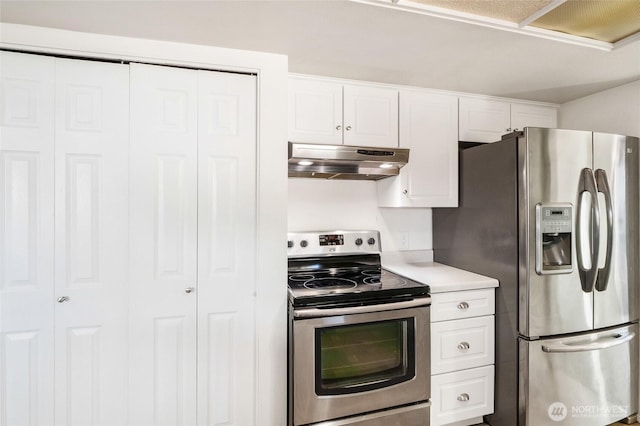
point(163, 191)
point(91, 170)
point(226, 248)
point(26, 239)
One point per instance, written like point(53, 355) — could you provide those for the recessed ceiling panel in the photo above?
point(604, 20)
point(506, 10)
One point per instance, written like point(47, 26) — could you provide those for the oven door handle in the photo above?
point(332, 312)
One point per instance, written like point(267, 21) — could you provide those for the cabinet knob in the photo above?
point(348, 128)
point(463, 306)
point(189, 290)
point(464, 346)
point(63, 299)
point(405, 191)
point(338, 127)
point(463, 397)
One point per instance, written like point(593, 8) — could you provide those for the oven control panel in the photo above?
point(332, 242)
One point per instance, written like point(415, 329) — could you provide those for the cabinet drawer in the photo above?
point(461, 395)
point(460, 344)
point(462, 304)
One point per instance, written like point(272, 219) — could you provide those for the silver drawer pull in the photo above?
point(463, 305)
point(463, 397)
point(463, 346)
point(189, 290)
point(63, 299)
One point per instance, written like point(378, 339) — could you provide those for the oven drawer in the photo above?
point(460, 344)
point(414, 415)
point(461, 395)
point(462, 304)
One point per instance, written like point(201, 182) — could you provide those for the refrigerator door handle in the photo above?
point(588, 275)
point(603, 187)
point(604, 343)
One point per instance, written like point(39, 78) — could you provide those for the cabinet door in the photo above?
point(226, 248)
point(370, 116)
point(429, 128)
point(483, 120)
point(523, 115)
point(163, 188)
point(91, 237)
point(26, 239)
point(315, 111)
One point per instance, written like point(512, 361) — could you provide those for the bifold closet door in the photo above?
point(26, 239)
point(91, 238)
point(162, 220)
point(226, 248)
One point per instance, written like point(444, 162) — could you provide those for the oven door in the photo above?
point(349, 361)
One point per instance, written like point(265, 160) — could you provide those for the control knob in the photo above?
point(289, 244)
point(358, 241)
point(371, 241)
point(304, 243)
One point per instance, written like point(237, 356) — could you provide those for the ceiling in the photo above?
point(354, 40)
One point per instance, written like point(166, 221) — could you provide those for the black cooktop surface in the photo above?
point(322, 281)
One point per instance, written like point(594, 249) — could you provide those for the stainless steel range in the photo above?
point(358, 335)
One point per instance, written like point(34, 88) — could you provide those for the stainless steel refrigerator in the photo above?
point(553, 215)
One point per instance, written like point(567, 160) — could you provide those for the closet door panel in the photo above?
point(163, 235)
point(26, 238)
point(91, 237)
point(226, 248)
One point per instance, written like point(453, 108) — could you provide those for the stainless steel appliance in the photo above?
point(553, 215)
point(345, 161)
point(358, 335)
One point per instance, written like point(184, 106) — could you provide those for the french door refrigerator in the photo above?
point(553, 215)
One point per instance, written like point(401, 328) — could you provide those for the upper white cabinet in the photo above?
point(486, 120)
point(429, 128)
point(334, 113)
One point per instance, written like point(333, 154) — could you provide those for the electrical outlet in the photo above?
point(403, 241)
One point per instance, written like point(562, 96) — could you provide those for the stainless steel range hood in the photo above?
point(345, 161)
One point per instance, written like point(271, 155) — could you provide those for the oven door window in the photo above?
point(361, 357)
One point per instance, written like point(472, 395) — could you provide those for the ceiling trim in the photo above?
point(410, 6)
point(543, 11)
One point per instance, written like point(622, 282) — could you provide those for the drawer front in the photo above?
point(460, 344)
point(461, 395)
point(462, 304)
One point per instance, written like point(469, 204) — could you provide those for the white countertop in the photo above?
point(439, 277)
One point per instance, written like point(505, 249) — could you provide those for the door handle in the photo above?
point(603, 273)
point(588, 276)
point(604, 343)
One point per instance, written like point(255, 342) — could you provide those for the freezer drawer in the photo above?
point(589, 379)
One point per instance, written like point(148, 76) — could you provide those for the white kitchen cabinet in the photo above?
point(486, 120)
point(330, 112)
point(429, 128)
point(64, 198)
point(193, 233)
point(462, 356)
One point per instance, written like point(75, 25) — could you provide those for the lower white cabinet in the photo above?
point(462, 356)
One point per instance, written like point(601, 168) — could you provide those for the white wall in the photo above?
point(321, 204)
point(615, 110)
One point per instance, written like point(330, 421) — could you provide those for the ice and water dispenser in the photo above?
point(553, 238)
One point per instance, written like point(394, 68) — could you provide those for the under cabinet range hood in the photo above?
point(345, 161)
